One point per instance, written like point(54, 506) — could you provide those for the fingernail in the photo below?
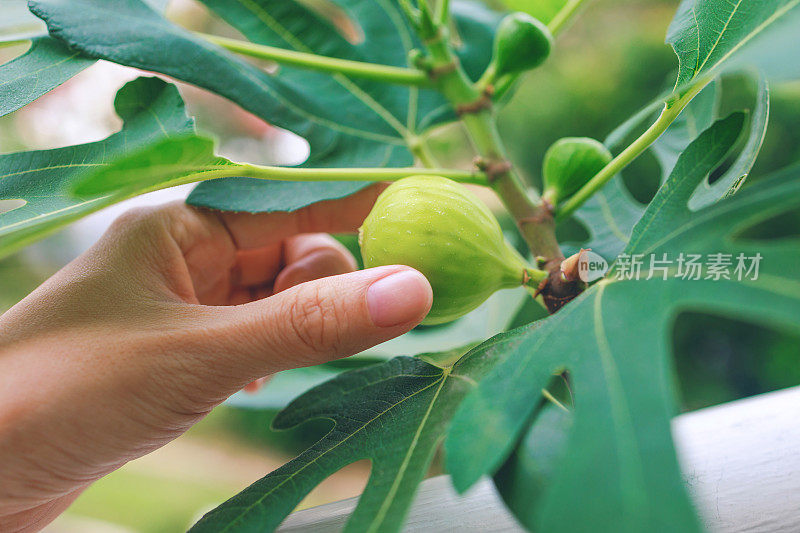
point(399, 298)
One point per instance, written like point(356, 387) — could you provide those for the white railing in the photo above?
point(741, 461)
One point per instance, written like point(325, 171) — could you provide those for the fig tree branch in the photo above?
point(533, 218)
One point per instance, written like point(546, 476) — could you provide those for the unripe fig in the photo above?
point(440, 228)
point(569, 163)
point(521, 43)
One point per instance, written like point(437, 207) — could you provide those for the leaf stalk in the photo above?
point(358, 174)
point(333, 65)
point(564, 16)
point(672, 108)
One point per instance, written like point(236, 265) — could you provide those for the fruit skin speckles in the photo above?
point(440, 228)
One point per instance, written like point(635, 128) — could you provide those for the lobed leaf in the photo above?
point(38, 185)
point(709, 37)
point(523, 479)
point(393, 414)
point(347, 122)
point(619, 445)
point(167, 162)
point(611, 214)
point(44, 66)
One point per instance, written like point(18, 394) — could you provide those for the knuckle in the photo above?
point(149, 217)
point(132, 218)
point(314, 320)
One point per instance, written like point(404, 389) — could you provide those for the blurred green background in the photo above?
point(610, 63)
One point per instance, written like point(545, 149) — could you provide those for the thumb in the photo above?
point(318, 321)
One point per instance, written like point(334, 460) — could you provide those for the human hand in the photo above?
point(171, 312)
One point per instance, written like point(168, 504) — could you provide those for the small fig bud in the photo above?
point(569, 163)
point(443, 230)
point(521, 43)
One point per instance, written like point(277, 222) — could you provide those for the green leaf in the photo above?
point(709, 36)
point(259, 196)
point(524, 477)
point(393, 414)
point(387, 40)
point(167, 162)
point(610, 215)
point(47, 64)
point(734, 177)
point(619, 465)
point(347, 122)
point(38, 184)
point(44, 66)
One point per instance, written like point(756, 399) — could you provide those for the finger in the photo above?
point(313, 256)
point(309, 324)
point(243, 295)
point(319, 264)
point(258, 266)
point(299, 246)
point(331, 216)
point(308, 257)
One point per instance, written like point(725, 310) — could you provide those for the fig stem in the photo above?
point(333, 65)
point(556, 25)
point(532, 277)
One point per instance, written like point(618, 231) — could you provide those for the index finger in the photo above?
point(341, 215)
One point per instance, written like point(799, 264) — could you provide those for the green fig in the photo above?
point(443, 230)
point(569, 164)
point(521, 43)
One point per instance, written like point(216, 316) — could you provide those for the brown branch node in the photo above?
point(539, 218)
point(492, 168)
point(440, 70)
point(484, 102)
